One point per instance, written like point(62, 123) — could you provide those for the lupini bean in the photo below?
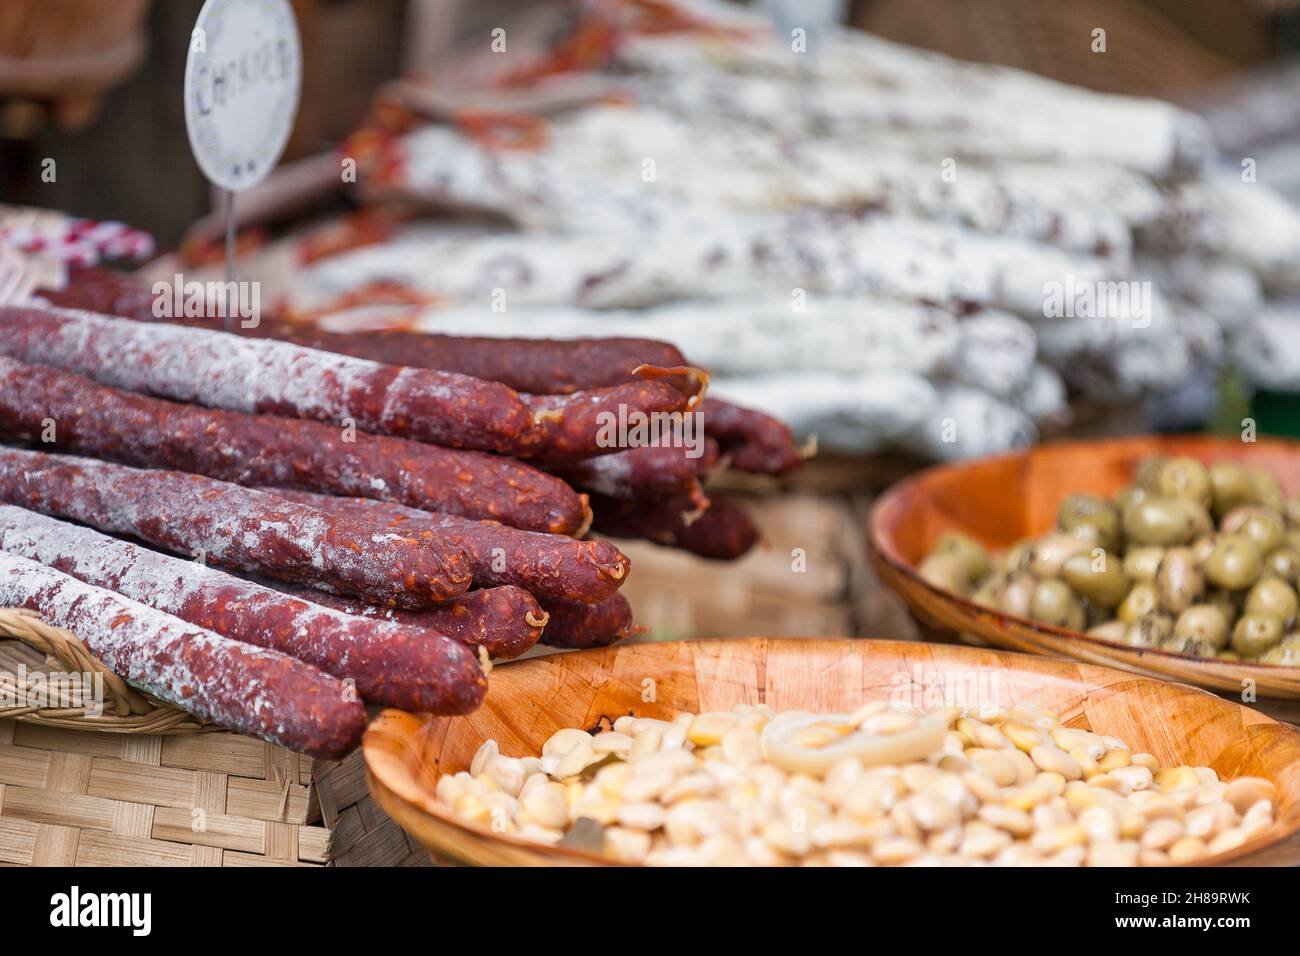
point(1012, 787)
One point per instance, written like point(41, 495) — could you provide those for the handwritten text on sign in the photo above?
point(242, 82)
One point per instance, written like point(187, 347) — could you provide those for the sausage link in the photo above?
point(248, 689)
point(605, 420)
point(546, 565)
point(92, 419)
point(390, 664)
point(539, 366)
point(240, 528)
point(573, 624)
point(542, 366)
point(222, 370)
point(756, 442)
point(723, 532)
point(643, 474)
point(504, 620)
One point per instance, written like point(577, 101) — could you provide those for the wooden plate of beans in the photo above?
point(1188, 595)
point(778, 751)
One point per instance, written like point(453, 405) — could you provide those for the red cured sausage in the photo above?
point(390, 664)
point(107, 291)
point(222, 370)
point(573, 624)
point(240, 528)
point(505, 620)
point(547, 565)
point(542, 366)
point(643, 474)
point(92, 419)
point(756, 442)
point(605, 420)
point(723, 532)
point(249, 689)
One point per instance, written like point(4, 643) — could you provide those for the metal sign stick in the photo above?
point(231, 303)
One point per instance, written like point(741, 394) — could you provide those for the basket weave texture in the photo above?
point(146, 784)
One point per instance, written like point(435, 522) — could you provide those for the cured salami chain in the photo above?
point(539, 366)
point(643, 474)
point(241, 528)
point(756, 442)
point(546, 565)
point(505, 620)
point(107, 423)
point(249, 689)
point(723, 533)
point(574, 624)
point(390, 664)
point(586, 424)
point(222, 370)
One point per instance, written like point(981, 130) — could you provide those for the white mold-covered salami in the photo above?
point(239, 528)
point(245, 374)
point(249, 689)
point(390, 664)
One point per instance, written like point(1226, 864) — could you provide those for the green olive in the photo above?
point(1229, 656)
point(1284, 563)
point(1091, 518)
point(1263, 526)
point(1051, 552)
point(1185, 478)
point(1129, 497)
point(1267, 490)
point(1225, 601)
point(1255, 633)
point(1273, 597)
point(946, 571)
point(1111, 630)
point(1139, 602)
point(1015, 593)
point(1148, 473)
point(1054, 603)
point(967, 550)
point(1015, 558)
point(1149, 631)
point(1231, 487)
point(986, 594)
point(1284, 654)
point(1098, 577)
point(1203, 622)
point(1203, 547)
point(1165, 521)
point(1235, 563)
point(1189, 647)
point(1141, 564)
point(1291, 511)
point(1180, 582)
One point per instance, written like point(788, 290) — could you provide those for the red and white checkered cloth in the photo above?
point(78, 242)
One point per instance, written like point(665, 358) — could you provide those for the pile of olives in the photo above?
point(1202, 561)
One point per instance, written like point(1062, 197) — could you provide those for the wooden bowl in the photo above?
point(1001, 500)
point(529, 700)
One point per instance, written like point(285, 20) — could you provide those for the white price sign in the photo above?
point(243, 77)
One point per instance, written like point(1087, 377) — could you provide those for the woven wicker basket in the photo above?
point(65, 53)
point(145, 784)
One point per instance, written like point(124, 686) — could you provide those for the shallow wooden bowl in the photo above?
point(529, 700)
point(1001, 500)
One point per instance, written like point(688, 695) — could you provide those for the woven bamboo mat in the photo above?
point(81, 791)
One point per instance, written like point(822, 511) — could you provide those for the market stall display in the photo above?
point(941, 222)
point(681, 799)
point(1148, 568)
point(1013, 498)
